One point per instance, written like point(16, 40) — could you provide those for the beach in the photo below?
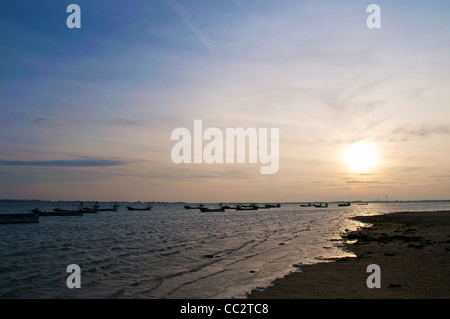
point(412, 250)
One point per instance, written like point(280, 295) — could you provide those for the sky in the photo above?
point(88, 113)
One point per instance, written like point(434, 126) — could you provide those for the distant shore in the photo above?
point(412, 250)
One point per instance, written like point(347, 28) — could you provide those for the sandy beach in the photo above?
point(412, 250)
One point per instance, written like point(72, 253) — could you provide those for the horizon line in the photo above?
point(250, 202)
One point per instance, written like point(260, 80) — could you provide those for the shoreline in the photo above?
point(412, 250)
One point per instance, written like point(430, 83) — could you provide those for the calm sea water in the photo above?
point(170, 252)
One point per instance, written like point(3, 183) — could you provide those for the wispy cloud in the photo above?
point(191, 23)
point(104, 121)
point(40, 120)
point(364, 182)
point(66, 163)
point(406, 131)
point(249, 13)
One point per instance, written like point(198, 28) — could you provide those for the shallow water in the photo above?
point(170, 252)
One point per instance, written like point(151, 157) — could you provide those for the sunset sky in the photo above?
point(88, 113)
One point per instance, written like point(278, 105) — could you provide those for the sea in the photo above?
point(172, 252)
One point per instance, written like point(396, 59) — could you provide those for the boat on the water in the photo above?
point(64, 212)
point(58, 212)
point(149, 207)
point(220, 208)
point(206, 209)
point(193, 207)
point(278, 205)
point(229, 207)
point(113, 209)
point(82, 209)
point(247, 207)
point(321, 205)
point(306, 205)
point(19, 218)
point(89, 210)
point(344, 204)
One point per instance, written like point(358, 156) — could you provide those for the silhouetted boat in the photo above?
point(247, 207)
point(229, 207)
point(321, 205)
point(306, 205)
point(63, 212)
point(217, 209)
point(344, 204)
point(193, 207)
point(18, 218)
point(273, 205)
point(58, 212)
point(113, 209)
point(83, 209)
point(266, 206)
point(149, 207)
point(89, 210)
point(206, 209)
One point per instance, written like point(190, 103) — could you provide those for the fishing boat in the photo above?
point(89, 210)
point(321, 205)
point(58, 212)
point(63, 212)
point(83, 209)
point(113, 209)
point(247, 207)
point(193, 207)
point(149, 207)
point(273, 205)
point(206, 209)
point(18, 218)
point(306, 205)
point(266, 206)
point(229, 207)
point(344, 204)
point(220, 208)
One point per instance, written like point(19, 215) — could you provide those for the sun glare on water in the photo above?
point(361, 157)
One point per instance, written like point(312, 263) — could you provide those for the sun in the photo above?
point(361, 157)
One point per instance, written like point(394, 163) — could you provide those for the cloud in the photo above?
point(406, 131)
point(104, 121)
point(66, 163)
point(347, 99)
point(191, 23)
point(401, 133)
point(364, 182)
point(40, 120)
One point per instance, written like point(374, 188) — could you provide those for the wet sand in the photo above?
point(411, 248)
